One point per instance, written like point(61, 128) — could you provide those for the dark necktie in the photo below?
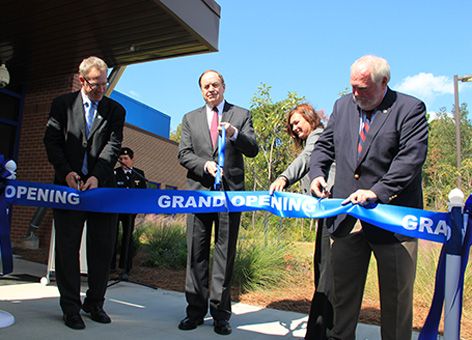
point(366, 120)
point(214, 127)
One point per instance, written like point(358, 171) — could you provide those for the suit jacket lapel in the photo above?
point(78, 112)
point(227, 113)
point(202, 125)
point(354, 121)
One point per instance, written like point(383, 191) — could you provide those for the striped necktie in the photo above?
point(366, 120)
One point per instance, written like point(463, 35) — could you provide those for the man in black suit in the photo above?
point(127, 176)
point(83, 139)
point(379, 140)
point(198, 153)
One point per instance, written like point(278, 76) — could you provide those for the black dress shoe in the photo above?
point(74, 321)
point(188, 324)
point(96, 313)
point(222, 327)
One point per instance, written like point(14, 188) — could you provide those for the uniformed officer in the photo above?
point(126, 176)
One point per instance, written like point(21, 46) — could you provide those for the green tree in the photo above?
point(440, 171)
point(175, 135)
point(275, 149)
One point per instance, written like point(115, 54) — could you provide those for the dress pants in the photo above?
point(100, 240)
point(127, 250)
point(320, 318)
point(396, 262)
point(197, 292)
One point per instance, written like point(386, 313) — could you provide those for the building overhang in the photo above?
point(41, 38)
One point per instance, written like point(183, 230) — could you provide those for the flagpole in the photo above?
point(452, 291)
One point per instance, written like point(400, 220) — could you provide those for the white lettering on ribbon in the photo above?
point(42, 195)
point(425, 225)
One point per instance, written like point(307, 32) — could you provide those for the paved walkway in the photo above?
point(138, 312)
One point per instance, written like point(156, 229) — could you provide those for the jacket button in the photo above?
point(357, 176)
point(84, 144)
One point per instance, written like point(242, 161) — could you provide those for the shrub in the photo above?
point(259, 265)
point(280, 228)
point(166, 246)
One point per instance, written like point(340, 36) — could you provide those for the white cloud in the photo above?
point(426, 86)
point(434, 115)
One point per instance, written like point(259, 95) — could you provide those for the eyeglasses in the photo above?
point(93, 86)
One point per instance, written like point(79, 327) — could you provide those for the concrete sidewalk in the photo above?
point(138, 312)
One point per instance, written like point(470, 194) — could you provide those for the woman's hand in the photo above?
point(278, 185)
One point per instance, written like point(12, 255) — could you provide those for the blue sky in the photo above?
point(307, 46)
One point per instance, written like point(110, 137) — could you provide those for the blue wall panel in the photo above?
point(143, 116)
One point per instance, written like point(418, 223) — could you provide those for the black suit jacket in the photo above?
point(66, 143)
point(132, 180)
point(391, 161)
point(196, 149)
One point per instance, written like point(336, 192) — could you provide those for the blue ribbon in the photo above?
point(5, 242)
point(221, 158)
point(411, 222)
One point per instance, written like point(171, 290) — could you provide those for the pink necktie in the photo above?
point(214, 127)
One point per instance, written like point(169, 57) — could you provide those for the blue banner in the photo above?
point(411, 222)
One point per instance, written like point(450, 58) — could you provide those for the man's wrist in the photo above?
point(235, 134)
point(205, 167)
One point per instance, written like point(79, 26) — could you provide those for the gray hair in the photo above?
point(88, 63)
point(378, 67)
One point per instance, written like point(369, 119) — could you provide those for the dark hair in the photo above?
point(207, 71)
point(127, 151)
point(312, 116)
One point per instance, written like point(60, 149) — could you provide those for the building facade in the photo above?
point(41, 46)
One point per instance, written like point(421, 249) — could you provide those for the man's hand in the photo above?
point(91, 183)
point(73, 180)
point(278, 185)
point(362, 197)
point(230, 129)
point(211, 167)
point(319, 187)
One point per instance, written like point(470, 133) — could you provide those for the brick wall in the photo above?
point(32, 159)
point(156, 156)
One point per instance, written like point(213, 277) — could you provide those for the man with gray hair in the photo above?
point(83, 140)
point(379, 139)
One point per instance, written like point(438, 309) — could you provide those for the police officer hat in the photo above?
point(127, 151)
